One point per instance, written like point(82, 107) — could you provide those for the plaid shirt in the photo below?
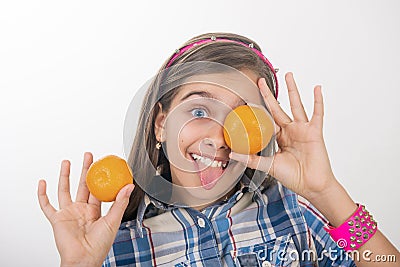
point(266, 227)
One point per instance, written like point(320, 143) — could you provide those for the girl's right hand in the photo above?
point(82, 236)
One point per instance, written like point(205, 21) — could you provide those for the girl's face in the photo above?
point(192, 130)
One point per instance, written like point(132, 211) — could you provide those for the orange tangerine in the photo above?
point(107, 176)
point(248, 129)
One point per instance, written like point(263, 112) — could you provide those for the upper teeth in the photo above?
point(208, 161)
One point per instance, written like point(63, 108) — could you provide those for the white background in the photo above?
point(68, 71)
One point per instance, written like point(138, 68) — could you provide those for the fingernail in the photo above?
point(129, 191)
point(238, 157)
point(263, 89)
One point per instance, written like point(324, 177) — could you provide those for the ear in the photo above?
point(159, 124)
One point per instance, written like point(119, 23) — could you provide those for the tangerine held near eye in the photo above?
point(107, 176)
point(248, 129)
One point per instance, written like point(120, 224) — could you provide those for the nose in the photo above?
point(215, 136)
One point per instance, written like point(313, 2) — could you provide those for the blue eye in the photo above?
point(199, 113)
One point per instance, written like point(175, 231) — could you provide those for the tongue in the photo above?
point(209, 176)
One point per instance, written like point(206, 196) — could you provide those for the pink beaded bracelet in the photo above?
point(355, 231)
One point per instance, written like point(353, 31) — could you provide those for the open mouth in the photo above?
point(209, 170)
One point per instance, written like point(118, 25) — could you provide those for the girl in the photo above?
point(196, 203)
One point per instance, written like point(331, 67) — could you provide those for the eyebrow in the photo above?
point(207, 95)
point(199, 93)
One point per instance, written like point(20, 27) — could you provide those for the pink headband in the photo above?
point(214, 39)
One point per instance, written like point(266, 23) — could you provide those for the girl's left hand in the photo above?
point(301, 163)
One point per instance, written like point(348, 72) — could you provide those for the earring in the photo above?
point(158, 170)
point(158, 145)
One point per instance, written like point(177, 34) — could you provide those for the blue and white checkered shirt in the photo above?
point(267, 227)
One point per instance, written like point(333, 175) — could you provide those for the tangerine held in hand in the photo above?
point(106, 177)
point(248, 129)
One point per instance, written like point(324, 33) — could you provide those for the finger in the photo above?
point(94, 201)
point(44, 202)
point(280, 117)
point(296, 105)
point(318, 113)
point(116, 211)
point(254, 161)
point(277, 130)
point(83, 192)
point(64, 195)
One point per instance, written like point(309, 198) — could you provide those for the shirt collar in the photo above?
point(150, 207)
